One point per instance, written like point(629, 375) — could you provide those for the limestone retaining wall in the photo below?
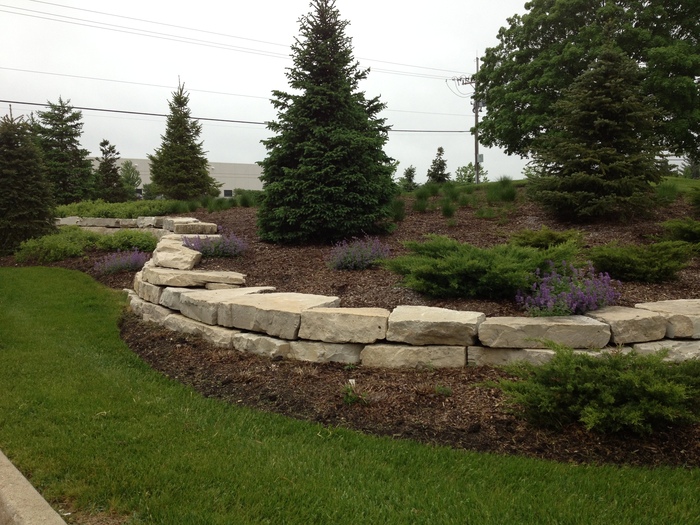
point(219, 307)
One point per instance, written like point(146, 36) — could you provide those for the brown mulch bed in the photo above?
point(451, 407)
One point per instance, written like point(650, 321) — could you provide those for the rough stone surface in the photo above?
point(677, 350)
point(223, 286)
point(170, 253)
point(203, 305)
point(395, 356)
point(128, 223)
point(154, 313)
point(631, 325)
point(575, 331)
point(204, 228)
point(423, 325)
point(170, 298)
point(147, 291)
point(149, 222)
point(682, 316)
point(214, 334)
point(188, 279)
point(275, 314)
point(319, 352)
point(261, 345)
point(479, 355)
point(344, 325)
point(169, 223)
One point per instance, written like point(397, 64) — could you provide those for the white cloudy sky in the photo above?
point(128, 55)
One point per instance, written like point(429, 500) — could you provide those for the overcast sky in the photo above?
point(128, 55)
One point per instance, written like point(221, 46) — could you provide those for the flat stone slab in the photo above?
point(203, 305)
point(319, 352)
point(574, 331)
point(216, 335)
point(424, 325)
point(189, 278)
point(170, 297)
point(205, 228)
point(147, 291)
point(631, 325)
point(170, 253)
point(398, 356)
point(169, 223)
point(275, 314)
point(261, 345)
point(479, 356)
point(682, 316)
point(344, 325)
point(677, 350)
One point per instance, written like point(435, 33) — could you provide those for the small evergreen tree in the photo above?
point(408, 182)
point(68, 166)
point(108, 182)
point(438, 168)
point(26, 203)
point(601, 154)
point(130, 177)
point(179, 168)
point(326, 176)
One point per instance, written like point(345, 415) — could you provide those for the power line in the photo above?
point(205, 119)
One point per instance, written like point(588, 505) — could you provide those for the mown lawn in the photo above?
point(95, 428)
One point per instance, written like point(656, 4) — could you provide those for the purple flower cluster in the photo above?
point(227, 245)
point(358, 254)
point(119, 261)
point(573, 291)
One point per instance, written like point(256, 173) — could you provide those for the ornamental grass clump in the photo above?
point(568, 291)
point(227, 245)
point(128, 261)
point(358, 254)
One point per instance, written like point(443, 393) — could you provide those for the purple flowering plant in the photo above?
point(127, 261)
point(568, 290)
point(358, 254)
point(226, 245)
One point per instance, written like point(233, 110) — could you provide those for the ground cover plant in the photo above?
point(152, 450)
point(358, 254)
point(226, 245)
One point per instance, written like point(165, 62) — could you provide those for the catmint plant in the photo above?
point(227, 245)
point(127, 261)
point(358, 254)
point(568, 291)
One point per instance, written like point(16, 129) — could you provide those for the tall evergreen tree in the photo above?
point(26, 204)
point(68, 165)
point(179, 167)
point(326, 176)
point(108, 181)
point(601, 155)
point(438, 168)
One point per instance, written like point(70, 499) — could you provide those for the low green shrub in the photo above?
point(247, 198)
point(667, 191)
point(607, 393)
point(544, 237)
point(68, 242)
point(450, 191)
point(503, 190)
point(420, 205)
point(687, 230)
point(397, 209)
point(443, 267)
point(448, 208)
point(128, 239)
point(121, 210)
point(651, 263)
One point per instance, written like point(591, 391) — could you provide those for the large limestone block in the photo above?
point(170, 298)
point(261, 345)
point(677, 350)
point(169, 223)
point(682, 316)
point(203, 305)
point(424, 325)
point(319, 352)
point(147, 291)
point(127, 223)
point(575, 331)
point(395, 356)
point(154, 313)
point(99, 222)
point(216, 335)
point(479, 355)
point(344, 325)
point(136, 304)
point(196, 228)
point(149, 222)
point(631, 325)
point(189, 279)
point(275, 314)
point(171, 253)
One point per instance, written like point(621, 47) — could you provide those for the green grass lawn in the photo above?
point(91, 425)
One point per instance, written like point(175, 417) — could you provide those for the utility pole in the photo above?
point(476, 106)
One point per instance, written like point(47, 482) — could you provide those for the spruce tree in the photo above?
point(26, 204)
point(108, 181)
point(601, 156)
point(438, 168)
point(179, 167)
point(68, 166)
point(326, 176)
